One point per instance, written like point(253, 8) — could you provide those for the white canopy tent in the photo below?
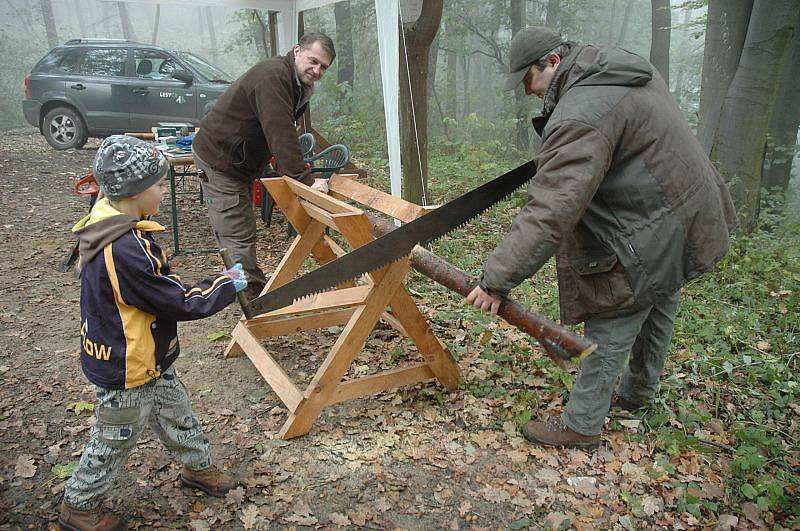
point(387, 16)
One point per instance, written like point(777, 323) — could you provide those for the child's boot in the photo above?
point(210, 480)
point(90, 520)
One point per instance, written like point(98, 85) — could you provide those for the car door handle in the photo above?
point(78, 86)
point(141, 91)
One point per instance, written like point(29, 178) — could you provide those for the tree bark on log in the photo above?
point(550, 335)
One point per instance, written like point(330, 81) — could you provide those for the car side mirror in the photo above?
point(183, 75)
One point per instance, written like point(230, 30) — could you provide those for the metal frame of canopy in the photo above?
point(387, 20)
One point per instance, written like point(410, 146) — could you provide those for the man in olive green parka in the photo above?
point(627, 199)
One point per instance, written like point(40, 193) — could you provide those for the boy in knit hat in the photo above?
point(130, 304)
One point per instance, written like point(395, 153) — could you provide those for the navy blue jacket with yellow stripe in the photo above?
point(131, 301)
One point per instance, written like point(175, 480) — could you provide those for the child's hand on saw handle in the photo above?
point(237, 274)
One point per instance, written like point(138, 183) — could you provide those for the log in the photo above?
point(547, 332)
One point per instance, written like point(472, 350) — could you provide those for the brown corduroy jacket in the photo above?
point(255, 119)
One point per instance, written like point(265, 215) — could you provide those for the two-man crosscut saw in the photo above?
point(398, 243)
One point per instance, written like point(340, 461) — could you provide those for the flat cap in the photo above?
point(527, 47)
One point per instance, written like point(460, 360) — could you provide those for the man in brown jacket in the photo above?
point(627, 199)
point(253, 120)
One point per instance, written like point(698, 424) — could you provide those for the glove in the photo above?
point(236, 273)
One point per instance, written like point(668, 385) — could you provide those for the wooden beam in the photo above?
point(298, 323)
point(384, 381)
point(275, 376)
point(388, 204)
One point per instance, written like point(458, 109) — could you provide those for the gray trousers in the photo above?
point(122, 416)
point(230, 211)
point(645, 336)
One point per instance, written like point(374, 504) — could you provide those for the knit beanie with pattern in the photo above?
point(126, 166)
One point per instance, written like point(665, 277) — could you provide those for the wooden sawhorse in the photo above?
point(358, 307)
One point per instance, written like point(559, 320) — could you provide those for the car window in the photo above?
point(152, 64)
point(59, 60)
point(104, 62)
point(206, 69)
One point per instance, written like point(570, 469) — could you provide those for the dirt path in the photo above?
point(415, 459)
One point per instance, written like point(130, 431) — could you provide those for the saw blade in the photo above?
point(397, 243)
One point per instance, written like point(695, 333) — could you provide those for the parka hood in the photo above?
point(104, 225)
point(590, 65)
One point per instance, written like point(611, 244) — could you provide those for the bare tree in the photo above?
point(450, 84)
point(155, 23)
point(726, 29)
point(521, 138)
point(78, 11)
point(417, 37)
point(661, 23)
point(125, 21)
point(212, 34)
point(553, 15)
point(681, 73)
point(744, 121)
point(782, 139)
point(345, 67)
point(49, 23)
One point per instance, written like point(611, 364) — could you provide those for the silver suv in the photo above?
point(99, 87)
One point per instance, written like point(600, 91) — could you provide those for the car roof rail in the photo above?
point(97, 40)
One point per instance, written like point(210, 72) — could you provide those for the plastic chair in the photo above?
point(329, 160)
point(307, 144)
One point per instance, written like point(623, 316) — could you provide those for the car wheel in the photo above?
point(63, 128)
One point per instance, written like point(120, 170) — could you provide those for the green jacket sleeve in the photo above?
point(572, 163)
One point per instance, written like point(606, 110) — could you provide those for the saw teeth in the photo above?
point(343, 282)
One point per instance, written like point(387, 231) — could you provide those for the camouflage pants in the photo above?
point(643, 339)
point(121, 419)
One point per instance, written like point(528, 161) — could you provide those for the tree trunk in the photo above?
point(553, 15)
point(212, 34)
point(465, 64)
point(49, 23)
point(626, 19)
point(522, 135)
point(661, 23)
point(726, 29)
point(344, 44)
point(433, 63)
point(155, 23)
point(683, 49)
point(125, 21)
point(782, 140)
point(417, 36)
point(106, 20)
point(201, 30)
point(79, 14)
point(450, 84)
point(747, 109)
point(260, 34)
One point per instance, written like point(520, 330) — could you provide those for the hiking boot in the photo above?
point(211, 480)
point(555, 433)
point(627, 405)
point(90, 520)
